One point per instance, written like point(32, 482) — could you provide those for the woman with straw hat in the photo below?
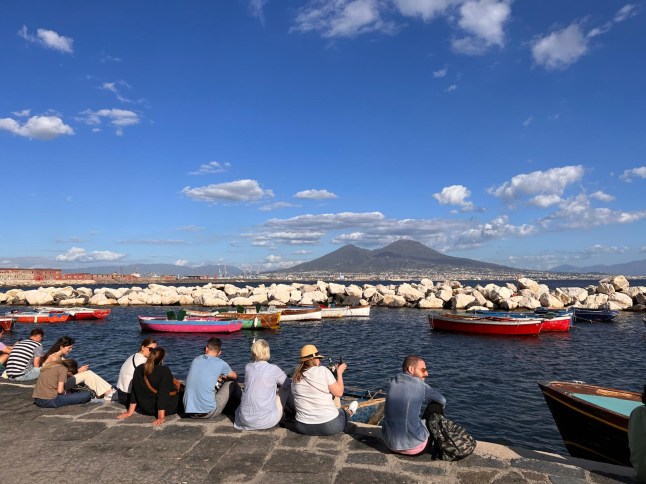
point(314, 388)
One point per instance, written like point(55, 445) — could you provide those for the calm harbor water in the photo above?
point(489, 382)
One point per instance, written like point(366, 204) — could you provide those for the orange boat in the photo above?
point(39, 317)
point(6, 323)
point(76, 314)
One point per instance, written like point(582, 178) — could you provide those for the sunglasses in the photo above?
point(150, 347)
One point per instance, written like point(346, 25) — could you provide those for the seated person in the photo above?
point(261, 408)
point(60, 350)
point(202, 398)
point(154, 391)
point(314, 387)
point(4, 352)
point(124, 383)
point(407, 400)
point(637, 439)
point(50, 387)
point(25, 358)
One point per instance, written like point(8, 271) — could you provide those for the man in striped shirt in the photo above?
point(24, 360)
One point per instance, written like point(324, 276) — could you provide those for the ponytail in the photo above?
point(156, 357)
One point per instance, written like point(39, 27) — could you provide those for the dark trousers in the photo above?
point(64, 400)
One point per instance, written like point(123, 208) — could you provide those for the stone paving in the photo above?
point(86, 443)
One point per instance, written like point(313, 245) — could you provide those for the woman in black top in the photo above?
point(153, 389)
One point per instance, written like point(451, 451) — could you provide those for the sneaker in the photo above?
point(109, 394)
point(352, 408)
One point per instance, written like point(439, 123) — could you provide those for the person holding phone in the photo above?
point(314, 388)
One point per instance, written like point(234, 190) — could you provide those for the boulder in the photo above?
point(295, 296)
point(479, 298)
point(564, 298)
point(511, 287)
point(259, 298)
point(76, 301)
point(461, 301)
point(38, 297)
point(624, 301)
point(375, 299)
point(231, 291)
point(574, 293)
point(430, 302)
point(322, 286)
point(409, 293)
point(549, 301)
point(426, 282)
point(3, 297)
point(241, 301)
point(525, 283)
point(369, 291)
point(281, 294)
point(397, 302)
point(313, 297)
point(595, 301)
point(633, 291)
point(334, 288)
point(508, 304)
point(123, 301)
point(386, 299)
point(101, 300)
point(354, 290)
point(212, 300)
point(527, 302)
point(619, 283)
point(352, 301)
point(186, 300)
point(605, 288)
point(86, 291)
point(445, 294)
point(640, 298)
point(385, 290)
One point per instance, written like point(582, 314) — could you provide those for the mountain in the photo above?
point(159, 269)
point(633, 268)
point(400, 256)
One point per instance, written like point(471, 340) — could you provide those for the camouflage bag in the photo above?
point(450, 440)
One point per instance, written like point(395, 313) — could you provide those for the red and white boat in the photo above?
point(552, 321)
point(80, 313)
point(557, 323)
point(189, 325)
point(296, 313)
point(486, 324)
point(39, 317)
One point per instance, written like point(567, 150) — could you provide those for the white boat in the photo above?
point(302, 313)
point(345, 311)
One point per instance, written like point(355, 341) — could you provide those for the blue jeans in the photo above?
point(29, 375)
point(63, 400)
point(333, 427)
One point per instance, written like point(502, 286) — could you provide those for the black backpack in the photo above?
point(450, 440)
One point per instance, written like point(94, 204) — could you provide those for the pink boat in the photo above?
point(190, 325)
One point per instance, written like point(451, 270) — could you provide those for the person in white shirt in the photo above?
point(261, 407)
point(124, 383)
point(314, 388)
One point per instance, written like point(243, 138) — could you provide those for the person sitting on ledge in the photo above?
point(202, 398)
point(50, 387)
point(25, 358)
point(314, 387)
point(637, 439)
point(154, 390)
point(124, 383)
point(4, 352)
point(409, 400)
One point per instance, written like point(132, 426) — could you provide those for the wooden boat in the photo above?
point(189, 325)
point(6, 323)
point(371, 404)
point(485, 324)
point(551, 321)
point(595, 315)
point(345, 311)
point(592, 420)
point(251, 319)
point(305, 313)
point(39, 317)
point(76, 313)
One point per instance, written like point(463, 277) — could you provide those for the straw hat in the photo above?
point(309, 352)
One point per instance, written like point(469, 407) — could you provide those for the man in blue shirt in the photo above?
point(202, 399)
point(407, 399)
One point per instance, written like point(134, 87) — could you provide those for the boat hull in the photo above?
point(594, 315)
point(189, 326)
point(6, 323)
point(590, 431)
point(266, 320)
point(552, 322)
point(486, 325)
point(35, 318)
point(558, 323)
point(345, 311)
point(300, 314)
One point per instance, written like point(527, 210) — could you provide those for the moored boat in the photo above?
point(592, 420)
point(39, 316)
point(594, 315)
point(77, 313)
point(6, 323)
point(261, 320)
point(490, 325)
point(345, 311)
point(189, 325)
point(552, 321)
point(371, 404)
point(304, 313)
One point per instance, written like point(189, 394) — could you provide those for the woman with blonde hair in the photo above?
point(261, 407)
point(314, 388)
point(154, 390)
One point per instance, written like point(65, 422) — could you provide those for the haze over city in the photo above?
point(262, 134)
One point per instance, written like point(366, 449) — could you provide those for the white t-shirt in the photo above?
point(312, 397)
point(258, 408)
point(124, 383)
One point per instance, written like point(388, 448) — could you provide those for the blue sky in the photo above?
point(266, 133)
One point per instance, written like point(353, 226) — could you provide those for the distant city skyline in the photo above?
point(259, 135)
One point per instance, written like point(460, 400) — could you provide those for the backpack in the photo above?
point(450, 440)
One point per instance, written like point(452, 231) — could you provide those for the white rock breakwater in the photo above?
point(609, 293)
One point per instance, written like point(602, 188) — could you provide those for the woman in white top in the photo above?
point(261, 407)
point(124, 383)
point(314, 388)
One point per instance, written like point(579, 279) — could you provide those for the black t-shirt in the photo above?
point(149, 402)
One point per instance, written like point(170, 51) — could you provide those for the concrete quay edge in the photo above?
point(86, 443)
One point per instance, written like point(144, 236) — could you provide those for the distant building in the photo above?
point(30, 275)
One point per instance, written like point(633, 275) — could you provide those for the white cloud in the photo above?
point(605, 249)
point(109, 58)
point(545, 201)
point(273, 258)
point(211, 168)
point(628, 175)
point(602, 196)
point(425, 9)
point(114, 87)
point(528, 121)
point(455, 195)
point(625, 12)
point(77, 254)
point(560, 49)
point(549, 182)
point(341, 18)
point(441, 73)
point(483, 21)
point(49, 39)
point(118, 118)
point(43, 128)
point(276, 206)
point(315, 194)
point(181, 262)
point(256, 8)
point(190, 228)
point(22, 114)
point(235, 191)
point(451, 88)
point(302, 252)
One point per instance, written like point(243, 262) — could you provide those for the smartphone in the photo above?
point(89, 363)
point(340, 359)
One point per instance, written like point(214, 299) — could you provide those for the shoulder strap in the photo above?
point(133, 361)
point(152, 389)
